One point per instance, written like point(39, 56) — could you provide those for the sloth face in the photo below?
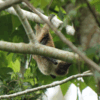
point(62, 68)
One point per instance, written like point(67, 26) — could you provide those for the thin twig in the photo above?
point(45, 86)
point(8, 3)
point(64, 39)
point(89, 71)
point(93, 12)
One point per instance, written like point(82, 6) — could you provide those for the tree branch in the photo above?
point(34, 17)
point(64, 39)
point(39, 50)
point(45, 86)
point(8, 3)
point(25, 24)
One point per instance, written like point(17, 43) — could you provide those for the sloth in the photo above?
point(49, 66)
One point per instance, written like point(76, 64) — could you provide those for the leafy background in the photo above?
point(11, 80)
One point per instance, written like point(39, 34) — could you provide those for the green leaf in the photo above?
point(73, 1)
point(97, 6)
point(17, 39)
point(36, 2)
point(5, 72)
point(15, 65)
point(72, 70)
point(5, 27)
point(44, 3)
point(19, 35)
point(64, 87)
point(41, 3)
point(91, 52)
point(3, 60)
point(15, 22)
point(14, 57)
point(82, 85)
point(61, 15)
point(90, 81)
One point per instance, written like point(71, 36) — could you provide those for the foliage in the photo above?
point(11, 80)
